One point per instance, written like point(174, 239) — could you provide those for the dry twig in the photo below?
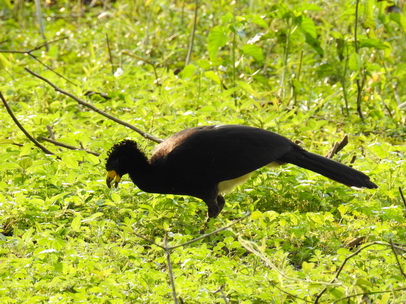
point(168, 249)
point(90, 106)
point(51, 132)
point(397, 259)
point(30, 53)
point(211, 233)
point(32, 139)
point(337, 147)
point(157, 82)
point(341, 300)
point(402, 197)
point(350, 257)
point(60, 144)
point(249, 246)
point(192, 34)
point(168, 260)
point(289, 294)
point(110, 54)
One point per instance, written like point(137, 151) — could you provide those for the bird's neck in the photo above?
point(140, 170)
point(149, 177)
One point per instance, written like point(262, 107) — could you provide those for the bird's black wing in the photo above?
point(219, 153)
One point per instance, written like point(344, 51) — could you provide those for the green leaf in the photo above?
point(213, 76)
point(254, 51)
point(204, 64)
point(307, 25)
point(217, 39)
point(307, 267)
point(337, 293)
point(363, 283)
point(256, 215)
point(76, 223)
point(308, 7)
point(315, 43)
point(399, 19)
point(354, 61)
point(25, 163)
point(28, 234)
point(4, 62)
point(93, 159)
point(247, 87)
point(188, 71)
point(70, 162)
point(373, 43)
point(257, 19)
point(92, 217)
point(5, 141)
point(115, 197)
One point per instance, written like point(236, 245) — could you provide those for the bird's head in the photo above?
point(118, 161)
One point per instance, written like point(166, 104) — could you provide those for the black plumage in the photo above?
point(206, 162)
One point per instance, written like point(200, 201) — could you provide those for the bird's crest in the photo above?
point(123, 146)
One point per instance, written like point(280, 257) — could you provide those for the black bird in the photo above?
point(208, 161)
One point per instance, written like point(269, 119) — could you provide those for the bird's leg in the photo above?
point(214, 205)
point(213, 209)
point(212, 212)
point(220, 203)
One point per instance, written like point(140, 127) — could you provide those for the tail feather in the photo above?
point(329, 168)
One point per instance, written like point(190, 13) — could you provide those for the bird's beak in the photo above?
point(112, 177)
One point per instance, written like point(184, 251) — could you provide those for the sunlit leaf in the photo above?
point(217, 38)
point(253, 51)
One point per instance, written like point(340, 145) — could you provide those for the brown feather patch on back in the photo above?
point(168, 145)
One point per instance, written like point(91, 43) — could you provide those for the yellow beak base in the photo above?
point(112, 177)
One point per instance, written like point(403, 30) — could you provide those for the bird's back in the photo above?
point(219, 153)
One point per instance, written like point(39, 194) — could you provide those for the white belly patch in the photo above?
point(228, 185)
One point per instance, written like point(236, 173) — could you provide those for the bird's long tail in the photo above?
point(329, 168)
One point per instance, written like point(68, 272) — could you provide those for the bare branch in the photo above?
point(30, 53)
point(60, 144)
point(35, 48)
point(223, 295)
point(52, 70)
point(168, 249)
point(289, 294)
point(340, 300)
point(350, 257)
point(249, 246)
point(196, 239)
point(40, 19)
point(10, 112)
point(51, 133)
point(91, 93)
point(352, 161)
point(168, 259)
point(397, 259)
point(211, 233)
point(402, 196)
point(157, 82)
point(192, 34)
point(90, 106)
point(338, 147)
point(110, 54)
point(149, 241)
point(389, 245)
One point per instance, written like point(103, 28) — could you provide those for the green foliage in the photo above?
point(291, 67)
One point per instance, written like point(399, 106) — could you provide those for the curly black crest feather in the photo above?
point(122, 146)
